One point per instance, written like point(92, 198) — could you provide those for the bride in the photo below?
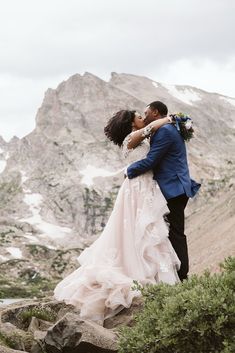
point(134, 244)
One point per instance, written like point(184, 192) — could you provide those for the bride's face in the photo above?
point(138, 122)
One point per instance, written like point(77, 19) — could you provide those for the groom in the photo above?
point(168, 160)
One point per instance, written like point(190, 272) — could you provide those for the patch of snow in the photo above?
point(186, 95)
point(34, 201)
point(155, 84)
point(23, 176)
point(1, 150)
point(31, 237)
point(3, 258)
point(2, 165)
point(229, 100)
point(15, 252)
point(49, 229)
point(7, 156)
point(91, 172)
point(4, 302)
point(53, 230)
point(51, 247)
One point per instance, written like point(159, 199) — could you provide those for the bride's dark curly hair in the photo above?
point(119, 126)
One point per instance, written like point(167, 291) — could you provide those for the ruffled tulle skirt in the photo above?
point(133, 246)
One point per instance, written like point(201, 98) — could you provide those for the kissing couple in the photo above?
point(136, 243)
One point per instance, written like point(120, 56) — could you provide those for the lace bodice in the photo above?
point(134, 154)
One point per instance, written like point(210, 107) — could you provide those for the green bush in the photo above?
point(25, 316)
point(196, 316)
point(18, 288)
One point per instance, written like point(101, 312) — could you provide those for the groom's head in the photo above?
point(154, 111)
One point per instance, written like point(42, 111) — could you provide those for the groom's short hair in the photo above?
point(161, 107)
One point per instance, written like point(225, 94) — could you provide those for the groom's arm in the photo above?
point(161, 141)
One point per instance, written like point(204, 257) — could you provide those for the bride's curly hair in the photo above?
point(119, 126)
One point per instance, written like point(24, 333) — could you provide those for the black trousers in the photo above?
point(177, 237)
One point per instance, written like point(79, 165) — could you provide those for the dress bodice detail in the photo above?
point(134, 154)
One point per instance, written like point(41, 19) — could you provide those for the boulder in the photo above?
point(38, 325)
point(73, 335)
point(126, 316)
point(65, 331)
point(9, 350)
point(15, 338)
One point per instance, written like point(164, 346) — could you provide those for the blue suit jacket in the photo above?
point(168, 160)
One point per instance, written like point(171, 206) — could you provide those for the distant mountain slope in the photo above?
point(58, 184)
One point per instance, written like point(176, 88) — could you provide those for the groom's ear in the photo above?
point(155, 112)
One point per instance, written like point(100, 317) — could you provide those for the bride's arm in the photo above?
point(141, 134)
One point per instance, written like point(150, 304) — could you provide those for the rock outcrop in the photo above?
point(53, 327)
point(75, 335)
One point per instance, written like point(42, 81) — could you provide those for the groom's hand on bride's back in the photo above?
point(129, 174)
point(159, 146)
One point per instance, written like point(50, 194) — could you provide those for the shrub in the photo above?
point(196, 316)
point(46, 314)
point(16, 288)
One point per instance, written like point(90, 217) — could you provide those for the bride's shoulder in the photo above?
point(126, 150)
point(126, 141)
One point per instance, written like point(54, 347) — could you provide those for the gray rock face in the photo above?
point(73, 335)
point(9, 350)
point(15, 337)
point(65, 332)
point(54, 197)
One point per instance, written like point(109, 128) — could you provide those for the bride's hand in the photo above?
point(139, 135)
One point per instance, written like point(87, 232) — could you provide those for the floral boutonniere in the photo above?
point(184, 125)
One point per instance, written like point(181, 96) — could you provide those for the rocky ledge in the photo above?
point(49, 326)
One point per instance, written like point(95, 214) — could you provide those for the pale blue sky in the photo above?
point(172, 41)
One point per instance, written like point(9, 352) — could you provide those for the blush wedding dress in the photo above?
point(134, 245)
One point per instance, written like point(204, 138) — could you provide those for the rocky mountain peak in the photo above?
point(58, 184)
